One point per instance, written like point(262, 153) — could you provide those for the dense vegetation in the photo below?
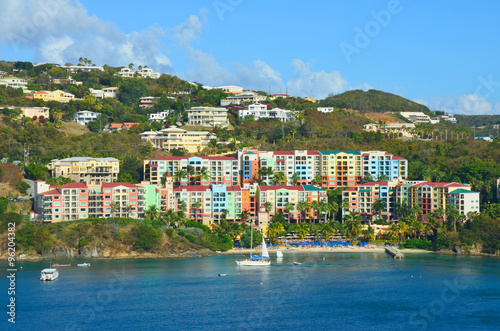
point(372, 101)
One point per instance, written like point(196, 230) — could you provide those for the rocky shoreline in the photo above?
point(65, 253)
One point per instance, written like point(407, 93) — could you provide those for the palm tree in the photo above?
point(353, 226)
point(116, 207)
point(316, 206)
point(196, 205)
point(378, 206)
point(245, 214)
point(452, 214)
point(289, 207)
point(190, 171)
point(318, 180)
point(274, 230)
point(269, 206)
point(296, 178)
point(179, 176)
point(151, 212)
point(303, 230)
point(279, 178)
point(301, 207)
point(204, 175)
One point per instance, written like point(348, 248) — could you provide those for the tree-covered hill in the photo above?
point(372, 101)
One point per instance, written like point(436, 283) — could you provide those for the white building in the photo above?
point(126, 72)
point(174, 137)
point(82, 68)
point(448, 118)
point(416, 117)
point(326, 109)
point(160, 116)
point(148, 72)
point(208, 116)
point(15, 82)
point(147, 102)
point(260, 111)
point(84, 117)
point(32, 111)
point(465, 201)
point(231, 89)
point(106, 92)
point(246, 96)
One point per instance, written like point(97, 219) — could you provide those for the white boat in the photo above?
point(254, 260)
point(83, 265)
point(279, 254)
point(297, 263)
point(49, 274)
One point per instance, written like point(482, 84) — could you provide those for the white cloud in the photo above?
point(188, 31)
point(468, 104)
point(62, 31)
point(318, 84)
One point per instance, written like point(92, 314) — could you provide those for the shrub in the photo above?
point(146, 237)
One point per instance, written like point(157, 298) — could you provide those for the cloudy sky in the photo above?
point(443, 54)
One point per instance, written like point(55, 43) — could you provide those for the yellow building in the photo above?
point(59, 96)
point(341, 168)
point(173, 137)
point(93, 171)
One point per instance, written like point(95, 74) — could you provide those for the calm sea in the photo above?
point(345, 291)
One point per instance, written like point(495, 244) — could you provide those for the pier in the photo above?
point(394, 252)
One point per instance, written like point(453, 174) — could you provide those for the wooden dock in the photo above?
point(394, 252)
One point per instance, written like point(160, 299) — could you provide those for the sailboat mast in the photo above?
point(251, 238)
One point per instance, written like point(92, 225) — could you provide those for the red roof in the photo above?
point(277, 187)
point(51, 192)
point(233, 188)
point(374, 183)
point(128, 125)
point(283, 153)
point(312, 153)
point(72, 185)
point(213, 158)
point(119, 184)
point(398, 158)
point(115, 125)
point(192, 188)
point(441, 184)
point(350, 190)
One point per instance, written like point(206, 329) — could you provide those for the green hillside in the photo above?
point(372, 101)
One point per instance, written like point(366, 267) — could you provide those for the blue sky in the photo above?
point(438, 53)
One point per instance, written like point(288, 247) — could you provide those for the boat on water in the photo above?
point(49, 274)
point(297, 263)
point(83, 265)
point(255, 260)
point(279, 254)
point(61, 265)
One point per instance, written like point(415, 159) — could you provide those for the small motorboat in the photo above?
point(279, 254)
point(297, 263)
point(83, 265)
point(222, 275)
point(49, 274)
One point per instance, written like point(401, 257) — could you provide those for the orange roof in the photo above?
point(115, 125)
point(128, 125)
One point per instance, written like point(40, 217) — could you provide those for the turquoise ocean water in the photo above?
point(344, 291)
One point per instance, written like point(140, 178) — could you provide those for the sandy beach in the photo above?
point(346, 249)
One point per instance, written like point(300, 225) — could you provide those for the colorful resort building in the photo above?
point(379, 199)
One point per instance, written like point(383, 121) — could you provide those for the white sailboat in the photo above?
point(254, 260)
